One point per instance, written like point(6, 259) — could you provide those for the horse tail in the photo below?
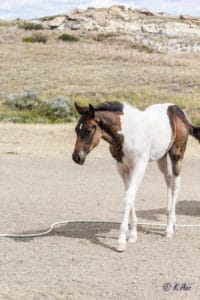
point(194, 131)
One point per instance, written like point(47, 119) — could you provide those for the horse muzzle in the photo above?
point(79, 158)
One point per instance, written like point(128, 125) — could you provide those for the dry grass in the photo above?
point(93, 71)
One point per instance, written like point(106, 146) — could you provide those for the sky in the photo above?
point(12, 9)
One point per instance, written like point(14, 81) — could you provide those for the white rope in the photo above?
point(52, 226)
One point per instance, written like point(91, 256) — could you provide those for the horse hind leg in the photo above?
point(171, 220)
point(176, 156)
point(169, 169)
point(166, 168)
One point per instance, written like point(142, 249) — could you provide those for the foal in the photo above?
point(136, 137)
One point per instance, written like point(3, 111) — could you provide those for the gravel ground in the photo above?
point(40, 185)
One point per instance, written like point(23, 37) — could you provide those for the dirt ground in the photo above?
point(40, 185)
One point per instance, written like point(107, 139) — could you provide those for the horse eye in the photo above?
point(88, 131)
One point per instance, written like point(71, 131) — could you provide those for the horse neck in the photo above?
point(110, 125)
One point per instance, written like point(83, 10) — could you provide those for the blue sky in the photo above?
point(11, 9)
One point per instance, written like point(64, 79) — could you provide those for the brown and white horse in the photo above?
point(159, 133)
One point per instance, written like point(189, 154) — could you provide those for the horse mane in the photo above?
point(114, 106)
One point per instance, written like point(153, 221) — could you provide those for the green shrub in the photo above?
point(35, 38)
point(31, 26)
point(68, 38)
point(29, 108)
point(21, 102)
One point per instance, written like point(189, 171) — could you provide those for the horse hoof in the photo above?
point(169, 234)
point(132, 239)
point(120, 247)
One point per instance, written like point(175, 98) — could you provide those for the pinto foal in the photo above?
point(136, 137)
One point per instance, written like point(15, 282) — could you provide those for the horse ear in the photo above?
point(79, 109)
point(91, 111)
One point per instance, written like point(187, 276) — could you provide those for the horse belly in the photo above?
point(160, 141)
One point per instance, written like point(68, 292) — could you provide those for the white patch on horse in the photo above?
point(147, 134)
point(81, 126)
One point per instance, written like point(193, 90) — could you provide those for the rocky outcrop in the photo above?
point(56, 23)
point(159, 31)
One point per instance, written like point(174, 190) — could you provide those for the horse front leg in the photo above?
point(135, 177)
point(125, 175)
point(133, 225)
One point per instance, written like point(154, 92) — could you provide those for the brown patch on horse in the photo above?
point(110, 125)
point(180, 131)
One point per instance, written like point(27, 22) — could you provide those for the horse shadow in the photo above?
point(96, 231)
point(185, 208)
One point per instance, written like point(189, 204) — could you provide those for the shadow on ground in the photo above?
point(91, 231)
point(185, 208)
point(96, 231)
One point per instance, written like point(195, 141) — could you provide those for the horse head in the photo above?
point(88, 133)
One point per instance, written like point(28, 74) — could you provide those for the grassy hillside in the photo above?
point(95, 69)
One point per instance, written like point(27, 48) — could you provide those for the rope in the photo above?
point(52, 226)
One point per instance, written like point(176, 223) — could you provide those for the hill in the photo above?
point(142, 27)
point(106, 54)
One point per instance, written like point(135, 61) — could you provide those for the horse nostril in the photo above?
point(76, 158)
